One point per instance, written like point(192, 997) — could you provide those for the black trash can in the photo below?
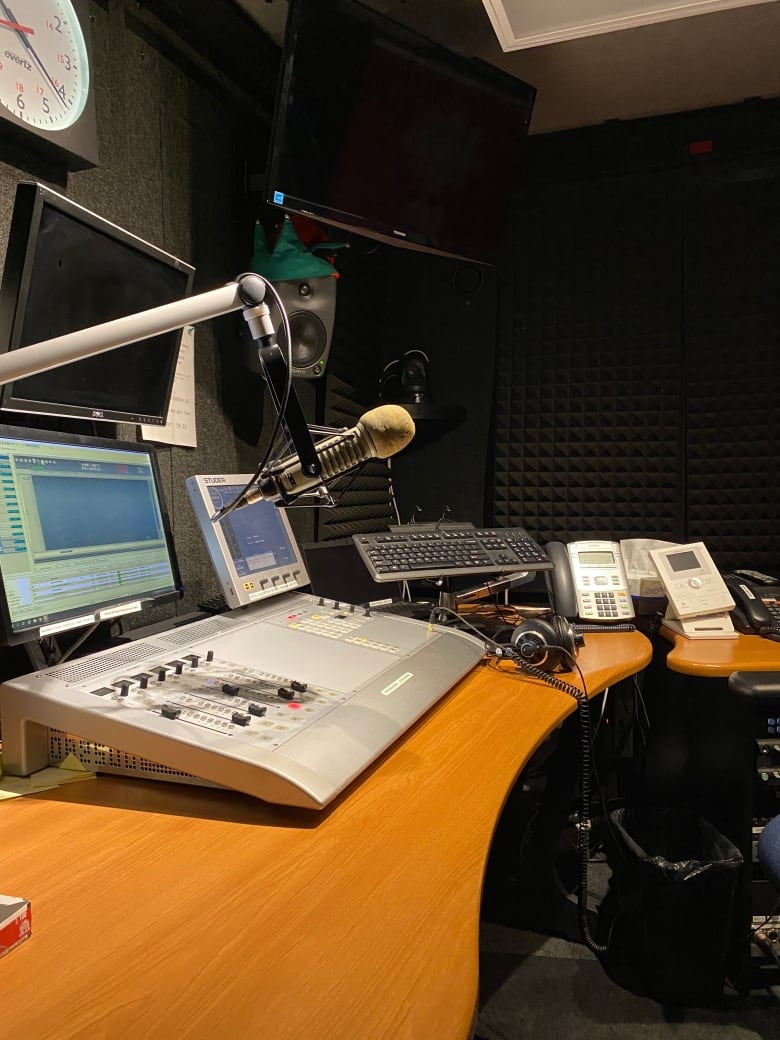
point(666, 918)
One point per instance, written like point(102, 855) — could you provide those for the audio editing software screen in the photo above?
point(83, 532)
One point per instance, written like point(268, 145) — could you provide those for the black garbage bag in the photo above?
point(666, 918)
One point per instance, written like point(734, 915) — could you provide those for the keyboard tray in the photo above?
point(442, 550)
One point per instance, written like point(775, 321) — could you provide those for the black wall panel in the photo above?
point(389, 301)
point(446, 308)
point(637, 382)
point(588, 388)
point(732, 331)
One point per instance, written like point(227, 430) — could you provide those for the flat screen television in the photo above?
point(383, 132)
point(84, 533)
point(66, 269)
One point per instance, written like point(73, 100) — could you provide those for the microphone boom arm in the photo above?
point(247, 292)
point(275, 369)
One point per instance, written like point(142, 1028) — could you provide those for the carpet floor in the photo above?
point(546, 988)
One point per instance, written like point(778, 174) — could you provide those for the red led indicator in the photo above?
point(700, 147)
point(294, 705)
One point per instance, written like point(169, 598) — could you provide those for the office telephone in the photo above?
point(756, 603)
point(589, 581)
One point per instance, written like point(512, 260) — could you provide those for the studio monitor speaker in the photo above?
point(311, 309)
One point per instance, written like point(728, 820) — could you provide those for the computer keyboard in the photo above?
point(440, 550)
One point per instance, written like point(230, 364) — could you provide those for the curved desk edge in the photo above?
point(710, 658)
point(193, 912)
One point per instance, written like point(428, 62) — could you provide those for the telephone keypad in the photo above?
point(606, 606)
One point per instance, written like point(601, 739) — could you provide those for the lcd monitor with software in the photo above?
point(84, 534)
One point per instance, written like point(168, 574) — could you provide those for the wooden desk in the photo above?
point(710, 658)
point(163, 911)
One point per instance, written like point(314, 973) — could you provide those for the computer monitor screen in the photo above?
point(68, 269)
point(384, 132)
point(84, 535)
point(253, 549)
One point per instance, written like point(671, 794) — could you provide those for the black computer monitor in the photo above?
point(68, 269)
point(84, 534)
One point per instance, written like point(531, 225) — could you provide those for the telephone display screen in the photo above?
point(683, 561)
point(596, 559)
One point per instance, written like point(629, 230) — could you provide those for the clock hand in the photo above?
point(17, 27)
point(22, 34)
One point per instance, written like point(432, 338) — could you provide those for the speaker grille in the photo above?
point(311, 310)
point(309, 339)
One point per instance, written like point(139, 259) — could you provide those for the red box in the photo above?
point(15, 922)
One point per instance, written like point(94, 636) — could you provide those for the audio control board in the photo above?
point(289, 700)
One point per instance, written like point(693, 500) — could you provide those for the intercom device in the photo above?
point(757, 603)
point(699, 600)
point(589, 581)
point(253, 550)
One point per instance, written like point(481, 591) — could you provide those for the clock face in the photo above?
point(44, 69)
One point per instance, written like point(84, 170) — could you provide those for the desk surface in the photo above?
point(720, 657)
point(167, 911)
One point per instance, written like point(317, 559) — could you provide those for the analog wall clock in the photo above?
point(46, 92)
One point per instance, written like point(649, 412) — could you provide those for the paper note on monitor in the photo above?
point(180, 428)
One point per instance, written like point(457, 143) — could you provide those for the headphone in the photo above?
point(551, 645)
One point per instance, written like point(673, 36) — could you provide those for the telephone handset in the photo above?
point(756, 603)
point(589, 581)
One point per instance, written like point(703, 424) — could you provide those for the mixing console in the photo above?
point(288, 700)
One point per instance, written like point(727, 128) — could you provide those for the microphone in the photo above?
point(379, 433)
